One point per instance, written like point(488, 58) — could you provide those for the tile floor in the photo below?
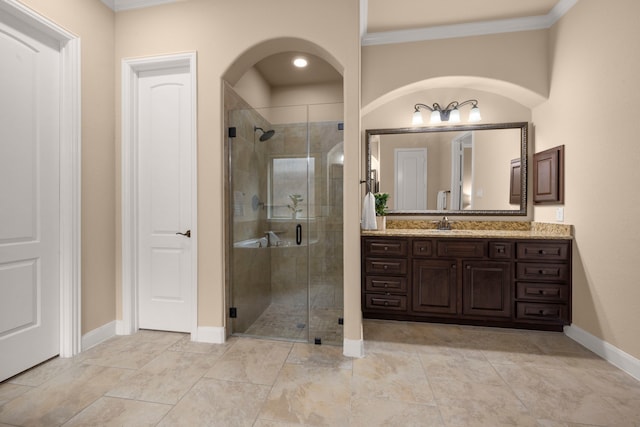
point(412, 375)
point(297, 323)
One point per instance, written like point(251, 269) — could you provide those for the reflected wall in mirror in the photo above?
point(461, 170)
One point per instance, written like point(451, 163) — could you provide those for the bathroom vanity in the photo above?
point(508, 278)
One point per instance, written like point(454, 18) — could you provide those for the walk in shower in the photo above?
point(284, 228)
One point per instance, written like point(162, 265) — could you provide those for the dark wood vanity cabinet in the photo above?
point(543, 282)
point(481, 281)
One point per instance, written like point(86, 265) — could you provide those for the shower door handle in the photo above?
point(298, 234)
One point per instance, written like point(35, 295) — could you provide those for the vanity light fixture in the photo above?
point(448, 114)
point(300, 62)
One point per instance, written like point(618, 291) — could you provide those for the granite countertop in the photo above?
point(476, 229)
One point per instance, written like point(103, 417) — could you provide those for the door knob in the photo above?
point(186, 233)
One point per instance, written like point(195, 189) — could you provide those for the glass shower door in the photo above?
point(270, 170)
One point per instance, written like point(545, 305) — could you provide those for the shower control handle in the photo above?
point(298, 234)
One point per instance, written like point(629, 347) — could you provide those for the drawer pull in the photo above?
point(384, 302)
point(500, 250)
point(542, 312)
point(547, 292)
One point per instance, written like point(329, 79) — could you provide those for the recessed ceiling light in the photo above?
point(300, 62)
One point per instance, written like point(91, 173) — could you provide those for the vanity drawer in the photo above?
point(382, 302)
point(393, 247)
point(555, 251)
point(386, 266)
point(386, 284)
point(461, 248)
point(541, 312)
point(552, 292)
point(422, 248)
point(500, 250)
point(540, 271)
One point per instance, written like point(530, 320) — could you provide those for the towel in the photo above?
point(442, 200)
point(369, 212)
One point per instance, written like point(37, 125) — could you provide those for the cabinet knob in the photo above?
point(422, 249)
point(468, 267)
point(386, 303)
point(386, 248)
point(453, 266)
point(387, 293)
point(385, 266)
point(542, 252)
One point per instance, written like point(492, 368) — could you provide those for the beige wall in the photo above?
point(518, 60)
point(592, 110)
point(93, 22)
point(225, 36)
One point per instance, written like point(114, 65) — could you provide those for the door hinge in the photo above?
point(233, 312)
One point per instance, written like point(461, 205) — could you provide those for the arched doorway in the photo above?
point(283, 199)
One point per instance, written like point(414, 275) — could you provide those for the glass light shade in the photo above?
point(435, 117)
point(454, 116)
point(417, 118)
point(474, 114)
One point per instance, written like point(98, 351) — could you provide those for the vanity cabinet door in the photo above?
point(434, 289)
point(486, 288)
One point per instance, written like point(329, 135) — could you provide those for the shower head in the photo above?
point(266, 135)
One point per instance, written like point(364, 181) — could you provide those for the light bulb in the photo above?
point(417, 118)
point(300, 62)
point(474, 114)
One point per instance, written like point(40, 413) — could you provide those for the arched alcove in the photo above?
point(284, 196)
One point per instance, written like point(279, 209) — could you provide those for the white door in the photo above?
point(29, 197)
point(165, 291)
point(411, 179)
point(462, 172)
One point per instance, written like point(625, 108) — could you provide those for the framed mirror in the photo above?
point(455, 170)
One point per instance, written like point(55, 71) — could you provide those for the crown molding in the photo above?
point(472, 29)
point(120, 5)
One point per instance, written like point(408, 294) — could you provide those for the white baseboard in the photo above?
point(608, 352)
point(353, 348)
point(210, 334)
point(121, 329)
point(98, 335)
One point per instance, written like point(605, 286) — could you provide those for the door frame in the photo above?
point(131, 67)
point(70, 173)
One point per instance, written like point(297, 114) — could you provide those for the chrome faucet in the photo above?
point(272, 238)
point(443, 224)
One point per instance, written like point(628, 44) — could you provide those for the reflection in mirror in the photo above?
point(462, 170)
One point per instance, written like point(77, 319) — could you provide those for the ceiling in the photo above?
point(397, 21)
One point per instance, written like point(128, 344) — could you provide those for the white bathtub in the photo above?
point(251, 243)
point(262, 243)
